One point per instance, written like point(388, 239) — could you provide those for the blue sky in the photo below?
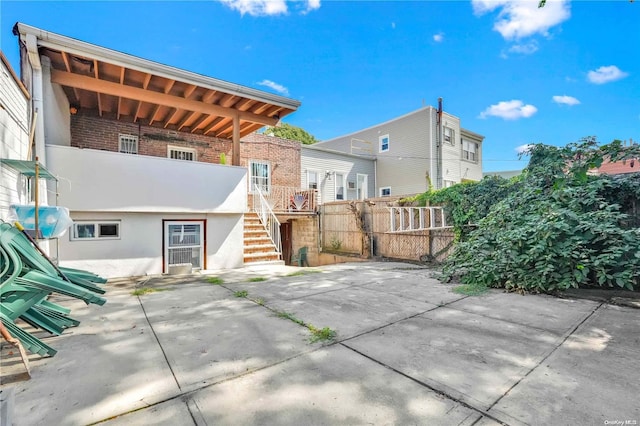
point(512, 72)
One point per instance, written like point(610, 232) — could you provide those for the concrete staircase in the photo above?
point(258, 247)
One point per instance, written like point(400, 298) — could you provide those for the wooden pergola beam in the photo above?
point(95, 72)
point(135, 93)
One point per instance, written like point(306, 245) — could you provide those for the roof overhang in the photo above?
point(129, 88)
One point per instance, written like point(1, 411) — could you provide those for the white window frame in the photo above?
point(466, 153)
point(252, 177)
point(96, 223)
point(125, 138)
point(317, 173)
point(381, 139)
point(385, 188)
point(450, 138)
point(182, 149)
point(341, 181)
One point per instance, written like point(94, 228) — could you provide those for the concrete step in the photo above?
point(258, 248)
point(264, 262)
point(252, 233)
point(262, 256)
point(257, 240)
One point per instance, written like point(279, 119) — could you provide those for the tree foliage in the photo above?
point(287, 131)
point(558, 227)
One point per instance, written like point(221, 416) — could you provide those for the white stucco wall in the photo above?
point(14, 139)
point(139, 250)
point(141, 191)
point(102, 181)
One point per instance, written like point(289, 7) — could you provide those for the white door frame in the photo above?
point(362, 191)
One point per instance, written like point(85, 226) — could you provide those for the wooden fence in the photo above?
point(340, 233)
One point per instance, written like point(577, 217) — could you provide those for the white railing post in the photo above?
point(268, 218)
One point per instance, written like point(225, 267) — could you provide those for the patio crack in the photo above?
point(440, 392)
point(164, 354)
point(551, 352)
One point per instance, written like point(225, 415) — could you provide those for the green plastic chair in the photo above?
point(301, 257)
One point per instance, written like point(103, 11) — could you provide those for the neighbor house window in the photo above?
point(448, 135)
point(180, 153)
point(128, 144)
point(95, 230)
point(260, 176)
point(384, 143)
point(385, 192)
point(470, 150)
point(312, 179)
point(340, 186)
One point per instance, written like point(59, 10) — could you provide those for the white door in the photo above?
point(184, 243)
point(361, 187)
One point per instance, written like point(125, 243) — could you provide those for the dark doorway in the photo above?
point(287, 244)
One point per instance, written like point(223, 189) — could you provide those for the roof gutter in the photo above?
point(58, 42)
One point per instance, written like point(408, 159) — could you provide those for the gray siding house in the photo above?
point(337, 175)
point(414, 149)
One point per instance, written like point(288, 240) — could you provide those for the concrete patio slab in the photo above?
point(422, 289)
point(473, 358)
point(539, 311)
point(109, 364)
point(196, 354)
point(208, 334)
point(591, 379)
point(286, 288)
point(351, 311)
point(327, 387)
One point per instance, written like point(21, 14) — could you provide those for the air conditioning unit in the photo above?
point(351, 185)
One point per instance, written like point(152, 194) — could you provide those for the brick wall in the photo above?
point(88, 130)
point(282, 154)
point(91, 131)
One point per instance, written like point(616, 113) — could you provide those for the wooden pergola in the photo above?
point(128, 88)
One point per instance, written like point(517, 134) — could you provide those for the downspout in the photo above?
point(36, 95)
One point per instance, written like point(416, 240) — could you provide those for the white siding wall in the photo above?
point(405, 165)
point(451, 151)
point(139, 249)
point(349, 166)
point(14, 139)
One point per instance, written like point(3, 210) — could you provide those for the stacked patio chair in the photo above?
point(27, 279)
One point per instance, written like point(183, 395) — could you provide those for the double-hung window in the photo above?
point(384, 143)
point(449, 136)
point(259, 176)
point(470, 150)
point(127, 144)
point(312, 179)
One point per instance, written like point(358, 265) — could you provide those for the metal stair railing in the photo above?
point(268, 218)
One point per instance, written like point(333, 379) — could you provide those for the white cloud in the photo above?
point(523, 149)
point(269, 7)
point(606, 74)
point(438, 37)
point(525, 48)
point(509, 110)
point(566, 100)
point(523, 18)
point(393, 25)
point(275, 86)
